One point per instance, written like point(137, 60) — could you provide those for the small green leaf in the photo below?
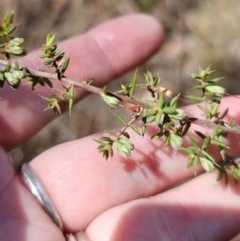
point(120, 119)
point(16, 42)
point(185, 129)
point(207, 164)
point(225, 112)
point(1, 76)
point(11, 29)
point(43, 56)
point(57, 108)
point(126, 134)
point(8, 67)
point(106, 139)
point(156, 80)
point(91, 81)
point(166, 140)
point(198, 87)
point(206, 142)
point(50, 39)
point(190, 160)
point(135, 129)
point(214, 110)
point(161, 101)
point(49, 63)
point(217, 130)
point(59, 56)
point(112, 132)
point(186, 150)
point(169, 110)
point(207, 113)
point(65, 64)
point(236, 173)
point(124, 147)
point(200, 107)
point(127, 143)
point(208, 93)
point(217, 90)
point(193, 97)
point(102, 143)
point(9, 17)
point(179, 114)
point(150, 103)
point(71, 99)
point(175, 141)
point(144, 129)
point(156, 136)
point(174, 101)
point(195, 162)
point(196, 76)
point(149, 77)
point(194, 143)
point(208, 155)
point(133, 85)
point(49, 100)
point(13, 80)
point(110, 100)
point(200, 134)
point(218, 143)
point(158, 117)
point(213, 81)
point(151, 119)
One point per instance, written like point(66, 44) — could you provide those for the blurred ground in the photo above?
point(198, 33)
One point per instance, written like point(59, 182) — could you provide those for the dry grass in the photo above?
point(198, 33)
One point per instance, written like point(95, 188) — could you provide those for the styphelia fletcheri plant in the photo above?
point(172, 123)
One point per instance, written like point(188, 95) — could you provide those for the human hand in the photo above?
point(115, 200)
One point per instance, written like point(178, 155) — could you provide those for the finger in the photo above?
point(21, 217)
point(82, 185)
point(197, 210)
point(103, 53)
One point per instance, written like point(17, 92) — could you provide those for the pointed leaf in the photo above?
point(120, 119)
point(193, 97)
point(175, 141)
point(135, 129)
point(200, 134)
point(133, 85)
point(71, 99)
point(207, 164)
point(218, 90)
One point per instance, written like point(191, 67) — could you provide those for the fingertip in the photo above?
point(131, 39)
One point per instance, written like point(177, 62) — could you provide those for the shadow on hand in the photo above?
point(155, 222)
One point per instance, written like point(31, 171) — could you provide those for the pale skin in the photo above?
point(122, 199)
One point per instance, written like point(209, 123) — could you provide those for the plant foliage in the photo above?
point(172, 123)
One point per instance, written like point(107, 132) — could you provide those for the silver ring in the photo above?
point(37, 189)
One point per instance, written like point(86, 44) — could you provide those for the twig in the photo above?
point(212, 125)
point(80, 84)
point(84, 85)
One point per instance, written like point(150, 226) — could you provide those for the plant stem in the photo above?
point(84, 85)
point(80, 84)
point(212, 125)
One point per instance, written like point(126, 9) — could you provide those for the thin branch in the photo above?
point(211, 125)
point(84, 85)
point(81, 84)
